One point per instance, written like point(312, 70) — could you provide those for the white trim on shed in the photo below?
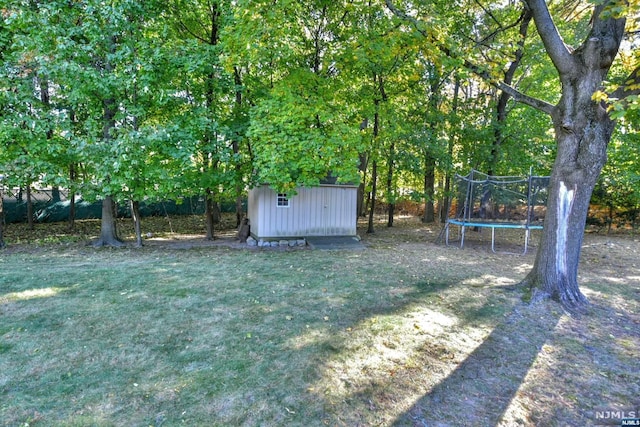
point(326, 210)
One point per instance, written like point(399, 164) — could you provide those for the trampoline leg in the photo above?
point(462, 236)
point(493, 239)
point(526, 241)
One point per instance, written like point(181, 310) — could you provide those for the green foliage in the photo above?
point(218, 96)
point(300, 134)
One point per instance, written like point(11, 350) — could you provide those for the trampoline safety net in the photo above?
point(481, 200)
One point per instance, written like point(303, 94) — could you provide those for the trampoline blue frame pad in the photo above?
point(493, 226)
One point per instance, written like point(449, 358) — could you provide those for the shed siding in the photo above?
point(253, 209)
point(316, 211)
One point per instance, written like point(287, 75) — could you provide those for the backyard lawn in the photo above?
point(406, 332)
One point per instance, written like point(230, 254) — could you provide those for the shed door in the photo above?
point(336, 215)
point(330, 211)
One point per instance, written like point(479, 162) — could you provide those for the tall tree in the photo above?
point(583, 126)
point(583, 129)
point(301, 128)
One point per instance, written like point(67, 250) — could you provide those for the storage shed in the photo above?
point(326, 210)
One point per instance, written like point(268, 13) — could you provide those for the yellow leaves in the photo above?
point(600, 96)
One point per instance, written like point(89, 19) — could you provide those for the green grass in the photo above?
point(220, 336)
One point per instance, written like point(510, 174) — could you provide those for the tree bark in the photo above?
point(30, 208)
point(374, 167)
point(363, 165)
point(108, 229)
point(108, 234)
point(583, 130)
point(372, 203)
point(429, 187)
point(209, 214)
point(446, 205)
point(390, 189)
point(428, 153)
point(72, 197)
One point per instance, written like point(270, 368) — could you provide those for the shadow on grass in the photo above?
point(481, 388)
point(245, 349)
point(431, 355)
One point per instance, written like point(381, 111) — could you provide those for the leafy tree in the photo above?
point(200, 28)
point(583, 127)
point(617, 187)
point(301, 131)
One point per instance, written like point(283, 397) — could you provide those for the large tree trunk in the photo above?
point(583, 130)
point(108, 229)
point(576, 170)
point(108, 234)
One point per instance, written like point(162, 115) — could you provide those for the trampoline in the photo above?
point(498, 202)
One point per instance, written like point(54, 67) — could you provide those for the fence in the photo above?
point(54, 206)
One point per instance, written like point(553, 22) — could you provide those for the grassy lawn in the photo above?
point(403, 333)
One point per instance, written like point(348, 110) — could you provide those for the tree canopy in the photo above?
point(136, 101)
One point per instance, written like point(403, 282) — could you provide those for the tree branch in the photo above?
point(518, 96)
point(553, 43)
point(480, 72)
point(630, 87)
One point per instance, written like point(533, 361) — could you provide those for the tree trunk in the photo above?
point(209, 214)
point(446, 206)
point(30, 208)
point(390, 189)
point(108, 229)
point(236, 148)
point(555, 271)
point(429, 188)
point(583, 130)
point(504, 97)
point(108, 234)
point(137, 226)
point(72, 197)
point(374, 168)
point(55, 194)
point(361, 205)
point(372, 204)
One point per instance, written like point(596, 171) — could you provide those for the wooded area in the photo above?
point(127, 101)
